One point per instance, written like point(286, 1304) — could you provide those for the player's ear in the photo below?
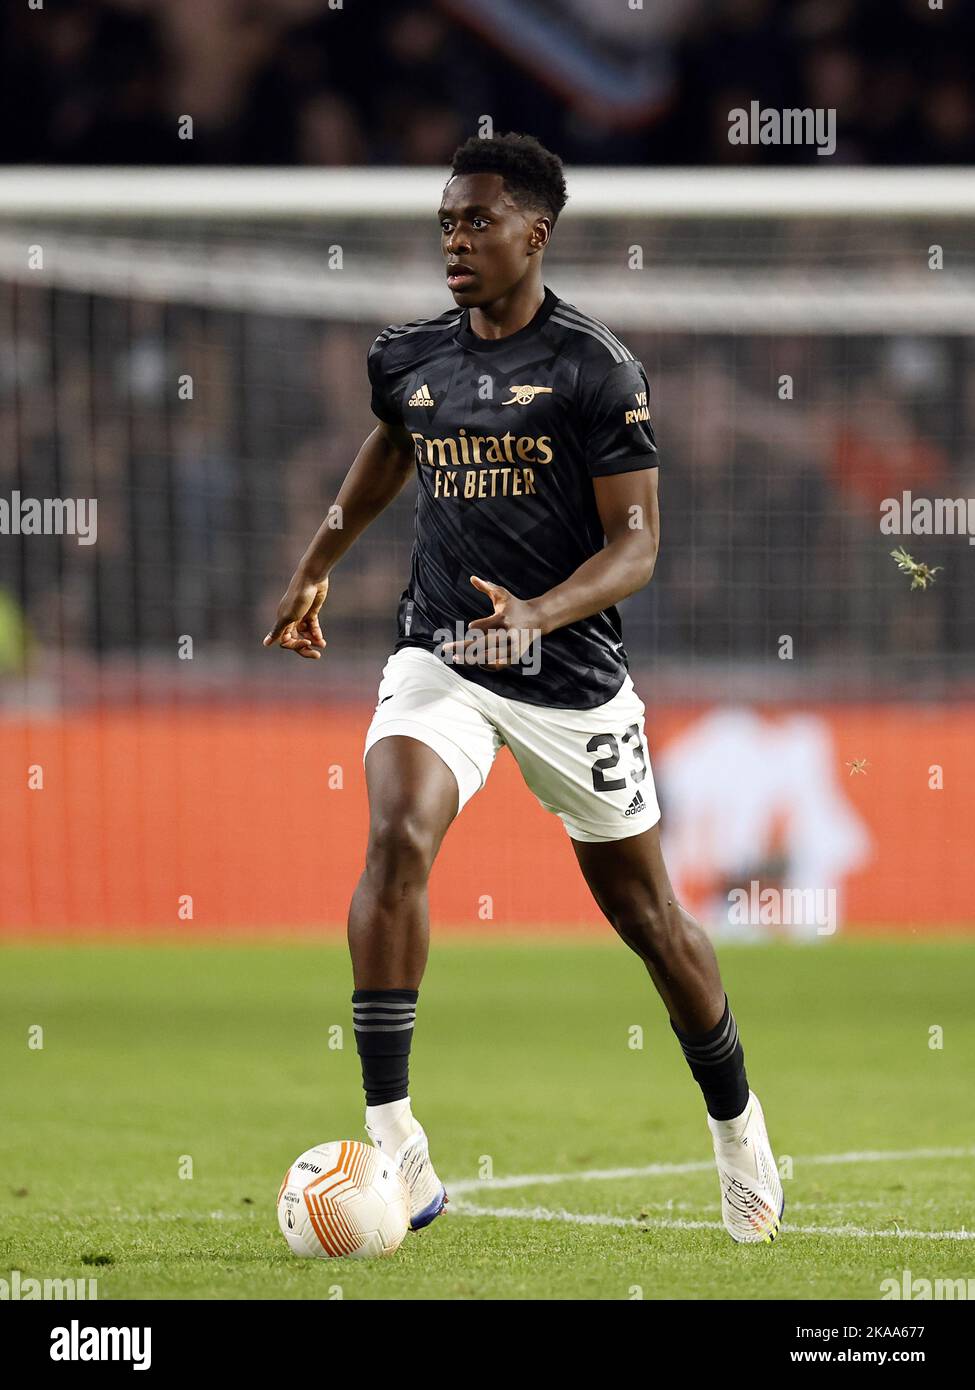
point(540, 233)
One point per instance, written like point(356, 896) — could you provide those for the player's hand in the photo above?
point(501, 638)
point(296, 626)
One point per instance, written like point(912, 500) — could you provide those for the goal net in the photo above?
point(189, 350)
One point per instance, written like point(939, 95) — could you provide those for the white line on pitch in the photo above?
point(652, 1170)
point(680, 1224)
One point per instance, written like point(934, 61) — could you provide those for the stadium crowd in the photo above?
point(347, 82)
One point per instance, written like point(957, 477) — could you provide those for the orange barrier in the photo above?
point(144, 816)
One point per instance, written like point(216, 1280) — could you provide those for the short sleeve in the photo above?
point(615, 420)
point(382, 402)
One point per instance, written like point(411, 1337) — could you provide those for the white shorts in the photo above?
point(590, 767)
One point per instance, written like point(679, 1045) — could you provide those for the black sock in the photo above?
point(717, 1064)
point(383, 1020)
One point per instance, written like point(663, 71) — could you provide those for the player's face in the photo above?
point(486, 238)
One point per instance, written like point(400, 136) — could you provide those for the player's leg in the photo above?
point(592, 769)
point(428, 750)
point(413, 797)
point(629, 881)
point(631, 886)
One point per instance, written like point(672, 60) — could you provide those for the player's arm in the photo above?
point(378, 474)
point(630, 517)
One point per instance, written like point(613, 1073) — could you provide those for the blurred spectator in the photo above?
point(400, 81)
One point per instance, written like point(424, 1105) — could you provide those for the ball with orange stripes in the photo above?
point(343, 1199)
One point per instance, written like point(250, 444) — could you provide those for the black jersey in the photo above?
point(509, 434)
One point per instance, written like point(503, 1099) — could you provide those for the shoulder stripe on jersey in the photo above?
point(570, 317)
point(584, 328)
point(436, 325)
point(571, 311)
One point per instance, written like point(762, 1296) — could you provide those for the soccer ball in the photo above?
point(343, 1198)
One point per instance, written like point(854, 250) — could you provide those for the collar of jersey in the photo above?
point(471, 340)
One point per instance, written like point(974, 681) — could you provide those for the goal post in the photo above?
point(274, 195)
point(800, 251)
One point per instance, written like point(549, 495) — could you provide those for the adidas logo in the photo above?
point(637, 804)
point(421, 397)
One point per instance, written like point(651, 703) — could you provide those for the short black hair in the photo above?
point(532, 174)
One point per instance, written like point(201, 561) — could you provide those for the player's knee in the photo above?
point(401, 848)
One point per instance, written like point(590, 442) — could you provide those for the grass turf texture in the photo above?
point(522, 1054)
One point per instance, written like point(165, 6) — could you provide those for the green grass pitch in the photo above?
point(522, 1067)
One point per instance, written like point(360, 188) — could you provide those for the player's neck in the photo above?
point(511, 312)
